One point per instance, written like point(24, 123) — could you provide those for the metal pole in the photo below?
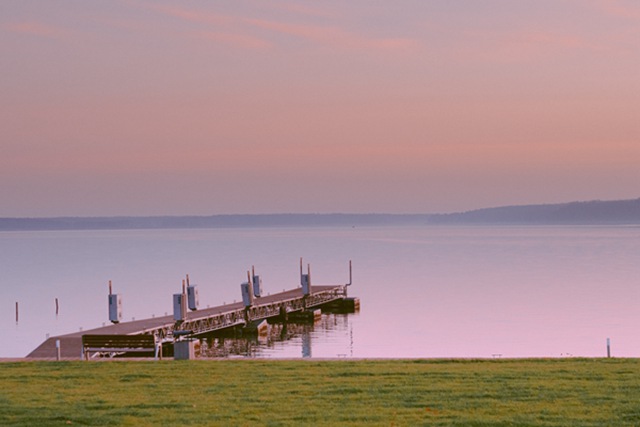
point(608, 347)
point(57, 349)
point(183, 306)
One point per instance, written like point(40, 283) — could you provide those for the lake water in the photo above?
point(429, 291)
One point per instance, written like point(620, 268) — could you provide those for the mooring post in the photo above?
point(183, 306)
point(57, 349)
point(180, 305)
point(302, 284)
point(608, 347)
point(309, 291)
point(247, 297)
point(350, 280)
point(257, 283)
point(305, 279)
point(115, 306)
point(306, 286)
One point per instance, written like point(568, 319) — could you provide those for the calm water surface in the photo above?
point(425, 291)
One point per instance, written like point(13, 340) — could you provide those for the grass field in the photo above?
point(556, 392)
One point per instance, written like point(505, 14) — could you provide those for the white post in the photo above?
point(157, 344)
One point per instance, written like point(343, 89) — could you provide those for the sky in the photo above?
point(412, 106)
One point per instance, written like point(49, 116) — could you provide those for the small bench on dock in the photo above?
point(121, 344)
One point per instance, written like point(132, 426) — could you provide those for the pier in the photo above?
point(202, 322)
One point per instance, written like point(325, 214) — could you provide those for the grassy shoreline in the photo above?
point(496, 392)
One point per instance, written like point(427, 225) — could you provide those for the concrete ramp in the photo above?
point(70, 348)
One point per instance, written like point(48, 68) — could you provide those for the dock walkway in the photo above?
point(199, 322)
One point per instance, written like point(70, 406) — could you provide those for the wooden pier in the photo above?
point(200, 322)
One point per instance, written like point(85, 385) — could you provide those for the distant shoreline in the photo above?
point(619, 212)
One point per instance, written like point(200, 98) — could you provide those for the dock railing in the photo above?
point(241, 316)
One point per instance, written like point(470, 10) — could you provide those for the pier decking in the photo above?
point(199, 322)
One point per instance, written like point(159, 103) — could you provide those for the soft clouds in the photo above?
point(628, 9)
point(335, 38)
point(517, 46)
point(247, 32)
point(242, 41)
point(38, 29)
point(207, 18)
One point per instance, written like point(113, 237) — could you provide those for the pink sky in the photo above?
point(151, 108)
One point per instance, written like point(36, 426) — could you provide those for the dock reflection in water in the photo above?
point(331, 336)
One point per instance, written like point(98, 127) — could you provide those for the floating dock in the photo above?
point(202, 321)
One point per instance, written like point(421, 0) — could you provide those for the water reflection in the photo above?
point(332, 336)
point(306, 344)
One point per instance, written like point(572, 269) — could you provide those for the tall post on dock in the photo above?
point(180, 305)
point(305, 279)
point(350, 279)
point(608, 348)
point(247, 297)
point(257, 283)
point(183, 306)
point(57, 349)
point(115, 306)
point(247, 291)
point(192, 295)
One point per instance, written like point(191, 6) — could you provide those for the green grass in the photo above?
point(558, 392)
